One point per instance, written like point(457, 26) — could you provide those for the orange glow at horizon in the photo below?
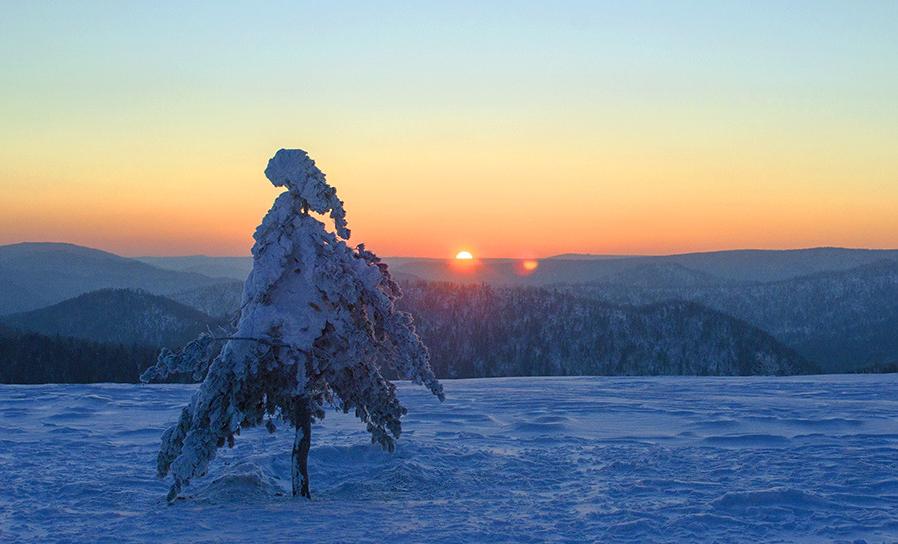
point(147, 203)
point(464, 255)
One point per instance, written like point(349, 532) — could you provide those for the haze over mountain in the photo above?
point(237, 268)
point(712, 267)
point(36, 274)
point(234, 268)
point(715, 267)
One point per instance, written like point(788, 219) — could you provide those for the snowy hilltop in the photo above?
point(317, 325)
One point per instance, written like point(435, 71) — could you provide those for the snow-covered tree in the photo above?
point(317, 326)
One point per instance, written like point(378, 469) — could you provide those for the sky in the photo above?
point(519, 130)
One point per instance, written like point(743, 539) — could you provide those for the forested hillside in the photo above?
point(117, 316)
point(470, 330)
point(479, 330)
point(221, 300)
point(843, 320)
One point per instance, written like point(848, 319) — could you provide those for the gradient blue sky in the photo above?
point(513, 129)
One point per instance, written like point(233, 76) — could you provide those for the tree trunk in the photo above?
point(301, 445)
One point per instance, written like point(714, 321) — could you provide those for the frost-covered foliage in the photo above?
point(317, 324)
point(191, 361)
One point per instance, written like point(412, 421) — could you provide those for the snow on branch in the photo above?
point(318, 323)
point(293, 169)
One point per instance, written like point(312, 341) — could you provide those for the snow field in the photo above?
point(671, 459)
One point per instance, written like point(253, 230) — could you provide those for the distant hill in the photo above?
point(844, 319)
point(34, 275)
point(117, 316)
point(482, 331)
point(775, 265)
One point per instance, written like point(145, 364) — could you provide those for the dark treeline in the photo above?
point(883, 368)
point(29, 358)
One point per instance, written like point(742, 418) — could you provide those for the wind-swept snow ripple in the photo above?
point(802, 459)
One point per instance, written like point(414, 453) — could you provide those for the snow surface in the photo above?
point(801, 459)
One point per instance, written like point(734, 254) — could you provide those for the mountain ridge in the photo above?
point(45, 273)
point(116, 316)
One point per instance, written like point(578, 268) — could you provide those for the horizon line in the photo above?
point(558, 256)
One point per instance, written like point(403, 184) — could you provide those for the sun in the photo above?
point(464, 255)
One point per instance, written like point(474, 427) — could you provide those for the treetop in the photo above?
point(295, 170)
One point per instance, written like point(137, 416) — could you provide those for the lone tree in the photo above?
point(317, 326)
